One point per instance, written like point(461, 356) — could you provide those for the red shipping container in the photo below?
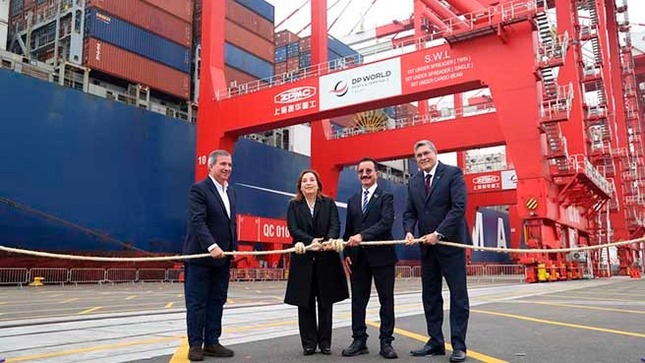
point(249, 20)
point(241, 16)
point(293, 64)
point(285, 37)
point(28, 4)
point(149, 17)
point(280, 68)
point(305, 44)
point(115, 61)
point(249, 41)
point(181, 8)
point(233, 75)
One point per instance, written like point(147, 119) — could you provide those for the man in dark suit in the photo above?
point(370, 215)
point(436, 204)
point(211, 228)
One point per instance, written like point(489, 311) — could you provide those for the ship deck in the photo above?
point(601, 320)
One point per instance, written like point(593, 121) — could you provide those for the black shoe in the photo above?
point(357, 347)
point(429, 350)
point(458, 356)
point(325, 350)
point(387, 351)
point(217, 350)
point(309, 351)
point(196, 354)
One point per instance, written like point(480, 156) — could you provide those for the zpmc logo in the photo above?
point(295, 94)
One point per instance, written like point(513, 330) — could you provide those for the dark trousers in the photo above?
point(206, 291)
point(314, 333)
point(361, 279)
point(452, 266)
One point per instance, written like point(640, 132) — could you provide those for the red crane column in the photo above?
point(625, 255)
point(210, 134)
point(570, 73)
point(329, 173)
point(615, 112)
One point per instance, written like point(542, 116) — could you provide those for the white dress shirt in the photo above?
point(221, 190)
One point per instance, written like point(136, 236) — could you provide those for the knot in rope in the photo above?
point(299, 248)
point(337, 245)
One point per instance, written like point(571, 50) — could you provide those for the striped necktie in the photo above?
point(366, 193)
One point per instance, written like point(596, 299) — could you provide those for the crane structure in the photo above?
point(566, 106)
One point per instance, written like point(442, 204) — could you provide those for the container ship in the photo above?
point(102, 140)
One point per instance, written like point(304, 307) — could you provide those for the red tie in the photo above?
point(428, 179)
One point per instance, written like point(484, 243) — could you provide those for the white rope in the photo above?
point(299, 248)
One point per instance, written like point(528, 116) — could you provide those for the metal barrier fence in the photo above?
point(14, 276)
point(21, 276)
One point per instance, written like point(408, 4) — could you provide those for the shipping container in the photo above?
point(249, 20)
point(280, 54)
point(15, 7)
point(293, 50)
point(305, 60)
point(246, 62)
point(183, 9)
point(26, 4)
point(260, 7)
point(285, 37)
point(107, 58)
point(280, 68)
point(235, 77)
point(144, 15)
point(293, 64)
point(339, 47)
point(240, 16)
point(249, 41)
point(305, 44)
point(103, 26)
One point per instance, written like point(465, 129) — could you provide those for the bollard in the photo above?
point(38, 281)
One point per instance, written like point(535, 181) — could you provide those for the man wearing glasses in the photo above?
point(370, 215)
point(436, 204)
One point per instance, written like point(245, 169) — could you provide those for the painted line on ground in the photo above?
point(91, 349)
point(421, 338)
point(586, 307)
point(559, 323)
point(90, 310)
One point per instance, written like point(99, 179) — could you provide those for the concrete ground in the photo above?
point(575, 321)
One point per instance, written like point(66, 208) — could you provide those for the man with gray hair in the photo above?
point(436, 204)
point(211, 229)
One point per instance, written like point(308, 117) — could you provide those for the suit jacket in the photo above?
point(209, 223)
point(374, 225)
point(327, 265)
point(442, 210)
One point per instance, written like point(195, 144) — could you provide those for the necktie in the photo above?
point(428, 179)
point(365, 194)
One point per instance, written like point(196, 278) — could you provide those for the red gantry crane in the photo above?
point(565, 98)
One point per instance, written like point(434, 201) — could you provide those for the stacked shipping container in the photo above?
point(142, 41)
point(249, 48)
point(293, 54)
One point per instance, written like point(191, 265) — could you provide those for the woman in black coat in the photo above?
point(314, 276)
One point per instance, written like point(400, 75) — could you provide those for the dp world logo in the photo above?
point(340, 89)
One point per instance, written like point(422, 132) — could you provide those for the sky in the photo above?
point(384, 11)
